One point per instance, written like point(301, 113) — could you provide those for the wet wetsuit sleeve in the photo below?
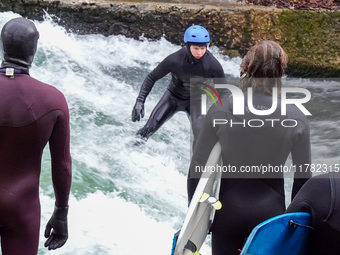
point(165, 67)
point(319, 197)
point(59, 144)
point(301, 155)
point(204, 145)
point(316, 191)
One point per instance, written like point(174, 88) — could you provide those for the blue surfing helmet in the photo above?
point(196, 34)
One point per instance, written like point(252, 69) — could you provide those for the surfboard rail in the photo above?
point(202, 208)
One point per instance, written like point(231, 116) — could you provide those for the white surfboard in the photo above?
point(202, 208)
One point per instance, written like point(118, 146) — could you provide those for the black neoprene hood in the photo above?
point(19, 39)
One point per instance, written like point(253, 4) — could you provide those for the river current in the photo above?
point(125, 199)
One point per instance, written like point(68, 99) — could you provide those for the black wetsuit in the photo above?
point(250, 198)
point(320, 197)
point(31, 114)
point(182, 66)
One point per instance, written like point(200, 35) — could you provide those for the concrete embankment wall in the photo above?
point(311, 38)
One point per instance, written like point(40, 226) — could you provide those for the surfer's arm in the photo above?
point(314, 198)
point(165, 67)
point(159, 72)
point(302, 202)
point(301, 156)
point(56, 230)
point(204, 145)
point(59, 144)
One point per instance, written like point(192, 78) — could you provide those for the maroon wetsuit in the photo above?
point(31, 114)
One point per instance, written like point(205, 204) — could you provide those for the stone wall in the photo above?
point(205, 2)
point(311, 39)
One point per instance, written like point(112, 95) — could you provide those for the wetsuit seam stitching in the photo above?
point(37, 126)
point(28, 123)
